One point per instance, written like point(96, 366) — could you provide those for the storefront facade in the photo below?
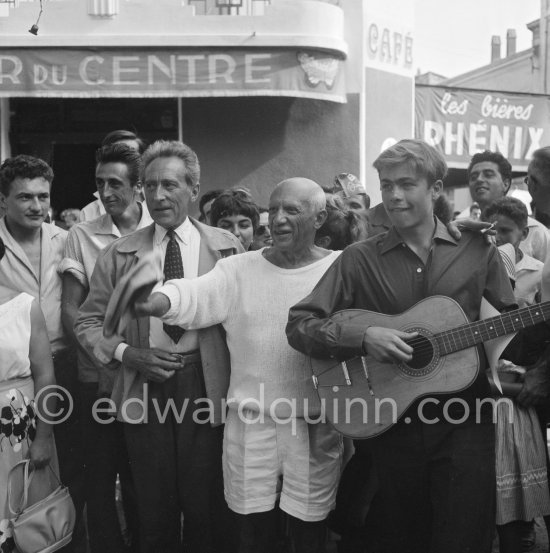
point(259, 97)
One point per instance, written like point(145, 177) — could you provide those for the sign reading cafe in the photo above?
point(460, 122)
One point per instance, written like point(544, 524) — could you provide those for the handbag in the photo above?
point(48, 524)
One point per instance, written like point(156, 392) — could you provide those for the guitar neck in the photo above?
point(468, 335)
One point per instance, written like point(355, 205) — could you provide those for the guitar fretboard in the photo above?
point(468, 335)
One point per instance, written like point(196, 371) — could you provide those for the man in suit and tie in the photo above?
point(164, 374)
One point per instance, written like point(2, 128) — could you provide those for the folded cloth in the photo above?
point(138, 281)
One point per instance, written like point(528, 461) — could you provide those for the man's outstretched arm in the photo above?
point(193, 303)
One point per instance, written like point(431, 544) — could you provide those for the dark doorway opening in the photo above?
point(74, 169)
point(65, 132)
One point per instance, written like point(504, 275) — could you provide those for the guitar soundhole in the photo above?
point(423, 353)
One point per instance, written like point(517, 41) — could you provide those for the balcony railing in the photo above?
point(171, 23)
point(237, 7)
point(229, 7)
point(110, 8)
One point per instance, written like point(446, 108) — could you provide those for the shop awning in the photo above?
point(460, 122)
point(170, 72)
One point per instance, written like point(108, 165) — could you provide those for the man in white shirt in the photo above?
point(104, 450)
point(274, 425)
point(175, 460)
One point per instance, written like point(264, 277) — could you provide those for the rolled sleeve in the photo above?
point(75, 268)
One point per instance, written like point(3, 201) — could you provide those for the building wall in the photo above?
point(388, 87)
point(257, 142)
point(254, 141)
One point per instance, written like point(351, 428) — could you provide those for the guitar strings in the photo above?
point(423, 344)
point(459, 333)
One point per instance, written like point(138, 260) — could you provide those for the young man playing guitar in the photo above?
point(435, 466)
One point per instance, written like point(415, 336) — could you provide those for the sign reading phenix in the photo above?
point(461, 122)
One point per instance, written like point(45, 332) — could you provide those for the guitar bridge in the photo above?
point(366, 371)
point(332, 383)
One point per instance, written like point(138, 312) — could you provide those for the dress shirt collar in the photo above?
point(183, 232)
point(105, 225)
point(528, 263)
point(392, 238)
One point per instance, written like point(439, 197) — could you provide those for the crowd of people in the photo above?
point(202, 405)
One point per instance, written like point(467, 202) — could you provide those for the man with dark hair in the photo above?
point(176, 458)
point(125, 137)
point(475, 211)
point(95, 209)
point(435, 466)
point(489, 178)
point(33, 247)
point(205, 204)
point(495, 188)
point(104, 451)
point(33, 251)
point(510, 218)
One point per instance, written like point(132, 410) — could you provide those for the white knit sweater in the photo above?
point(251, 297)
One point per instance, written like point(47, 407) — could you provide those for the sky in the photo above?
point(454, 36)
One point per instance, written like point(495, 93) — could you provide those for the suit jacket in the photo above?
point(111, 265)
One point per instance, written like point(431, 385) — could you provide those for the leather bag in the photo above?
point(46, 525)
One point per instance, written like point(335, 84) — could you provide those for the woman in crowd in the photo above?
point(235, 210)
point(341, 226)
point(262, 235)
point(26, 367)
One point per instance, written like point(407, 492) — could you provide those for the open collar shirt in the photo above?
point(87, 239)
point(84, 244)
point(17, 273)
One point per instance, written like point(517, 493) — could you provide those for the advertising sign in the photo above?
point(461, 122)
point(92, 73)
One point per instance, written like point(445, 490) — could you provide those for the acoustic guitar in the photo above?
point(363, 397)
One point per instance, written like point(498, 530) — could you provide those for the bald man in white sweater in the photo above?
point(273, 426)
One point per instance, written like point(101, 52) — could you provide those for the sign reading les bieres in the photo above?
point(461, 122)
